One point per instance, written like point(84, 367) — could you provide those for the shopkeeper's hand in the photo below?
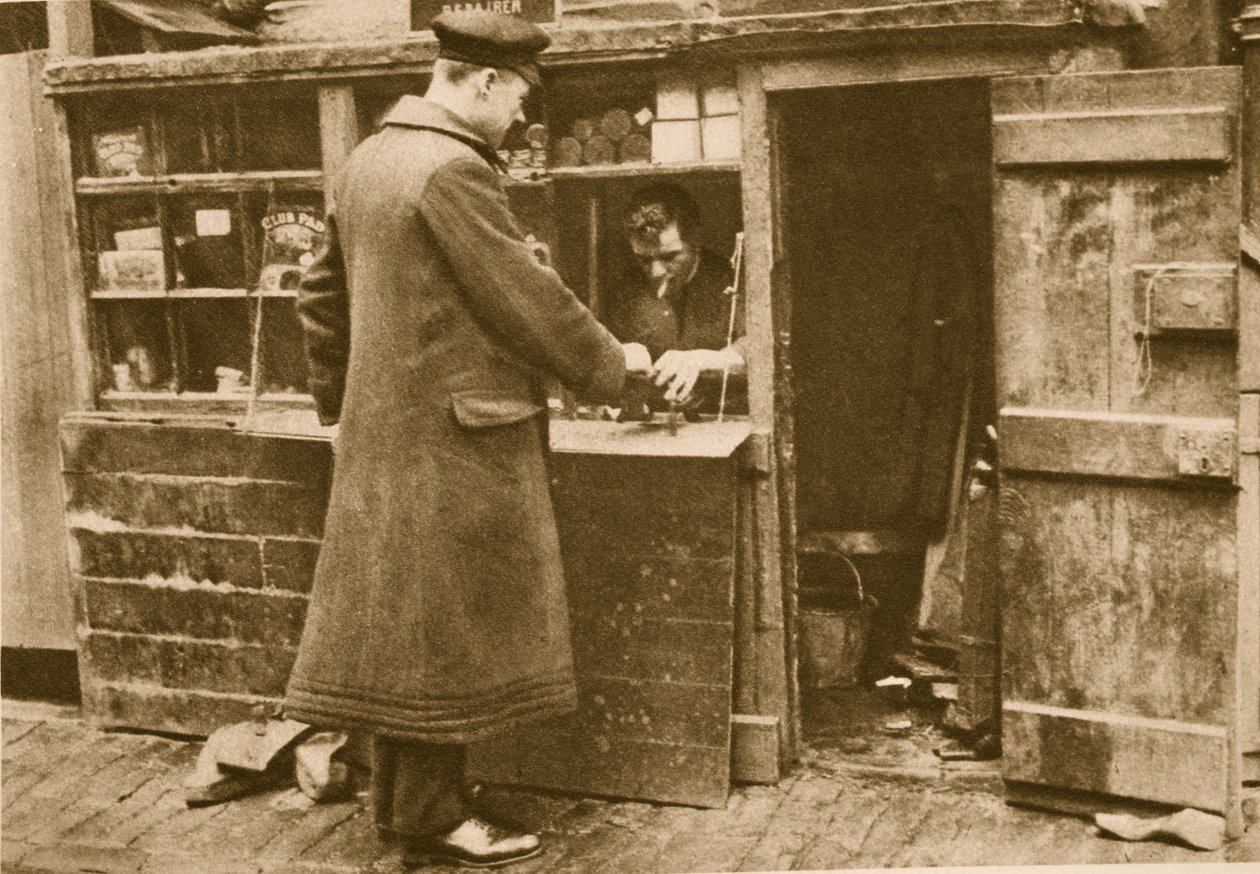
point(680, 368)
point(638, 359)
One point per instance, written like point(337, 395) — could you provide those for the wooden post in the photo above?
point(1248, 673)
point(762, 661)
point(69, 36)
point(338, 130)
point(69, 29)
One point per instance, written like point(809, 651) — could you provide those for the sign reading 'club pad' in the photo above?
point(424, 11)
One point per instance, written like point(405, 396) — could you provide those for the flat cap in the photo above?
point(491, 39)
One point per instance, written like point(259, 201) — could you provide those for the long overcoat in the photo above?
point(438, 611)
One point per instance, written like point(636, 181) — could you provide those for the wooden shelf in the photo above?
point(126, 294)
point(189, 294)
point(199, 402)
point(615, 171)
point(181, 183)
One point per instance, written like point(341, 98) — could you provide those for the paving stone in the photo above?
point(904, 814)
point(173, 865)
point(841, 830)
point(76, 858)
point(246, 825)
point(104, 789)
point(41, 752)
point(1246, 848)
point(120, 823)
point(14, 730)
point(615, 834)
point(12, 851)
point(792, 825)
point(352, 842)
point(315, 824)
point(930, 843)
point(152, 804)
point(32, 811)
point(170, 821)
point(818, 817)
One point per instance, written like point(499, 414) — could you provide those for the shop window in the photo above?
point(199, 213)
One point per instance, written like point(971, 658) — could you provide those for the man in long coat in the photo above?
point(438, 614)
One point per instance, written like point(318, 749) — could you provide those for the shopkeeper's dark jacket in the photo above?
point(698, 316)
point(438, 611)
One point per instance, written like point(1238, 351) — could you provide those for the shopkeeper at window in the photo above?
point(676, 304)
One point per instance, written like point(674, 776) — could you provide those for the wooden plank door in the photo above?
point(1116, 214)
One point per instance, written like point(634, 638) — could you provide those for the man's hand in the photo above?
point(638, 359)
point(679, 369)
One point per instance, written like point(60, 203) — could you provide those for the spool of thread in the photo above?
point(567, 152)
point(599, 149)
point(536, 135)
point(634, 149)
point(615, 124)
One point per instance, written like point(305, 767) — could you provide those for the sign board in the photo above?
point(424, 11)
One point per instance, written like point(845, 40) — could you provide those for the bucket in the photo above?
point(832, 642)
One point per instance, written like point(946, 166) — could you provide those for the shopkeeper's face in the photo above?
point(667, 262)
point(501, 105)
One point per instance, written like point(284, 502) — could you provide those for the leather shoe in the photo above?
point(474, 843)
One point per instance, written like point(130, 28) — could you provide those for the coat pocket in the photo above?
point(487, 408)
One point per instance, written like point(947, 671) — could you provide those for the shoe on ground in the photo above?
point(474, 843)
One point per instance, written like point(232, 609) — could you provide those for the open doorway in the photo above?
point(886, 209)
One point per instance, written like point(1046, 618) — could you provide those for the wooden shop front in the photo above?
point(953, 215)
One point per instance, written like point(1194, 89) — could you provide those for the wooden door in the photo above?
point(1116, 226)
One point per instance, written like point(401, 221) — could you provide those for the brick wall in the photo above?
point(192, 547)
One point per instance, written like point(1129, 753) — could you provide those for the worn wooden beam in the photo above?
point(63, 267)
point(1249, 34)
point(1249, 306)
point(1120, 445)
point(1114, 137)
point(196, 183)
point(338, 129)
point(778, 35)
point(1111, 754)
point(925, 61)
point(768, 652)
point(70, 29)
point(1249, 574)
point(755, 748)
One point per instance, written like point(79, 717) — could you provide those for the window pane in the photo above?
point(198, 134)
point(280, 133)
point(137, 344)
point(208, 241)
point(216, 336)
point(283, 354)
point(127, 241)
point(287, 231)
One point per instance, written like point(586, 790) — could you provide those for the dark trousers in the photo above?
point(417, 788)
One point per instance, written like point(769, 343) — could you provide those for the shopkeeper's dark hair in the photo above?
point(655, 207)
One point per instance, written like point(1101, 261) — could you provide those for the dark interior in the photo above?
point(886, 214)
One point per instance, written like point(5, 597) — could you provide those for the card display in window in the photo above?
point(291, 238)
point(122, 152)
point(135, 270)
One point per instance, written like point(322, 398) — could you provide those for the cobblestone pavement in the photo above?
point(80, 800)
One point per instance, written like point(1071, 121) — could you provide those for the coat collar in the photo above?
point(417, 112)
